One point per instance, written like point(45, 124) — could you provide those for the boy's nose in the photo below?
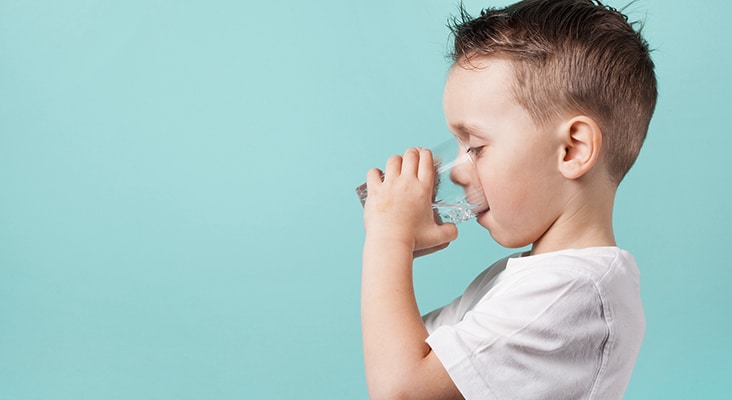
point(462, 172)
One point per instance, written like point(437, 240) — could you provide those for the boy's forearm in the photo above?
point(399, 222)
point(393, 332)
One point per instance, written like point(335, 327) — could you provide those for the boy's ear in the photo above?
point(582, 140)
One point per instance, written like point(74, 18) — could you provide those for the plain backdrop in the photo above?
point(177, 209)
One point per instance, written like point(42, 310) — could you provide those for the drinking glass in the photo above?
point(457, 195)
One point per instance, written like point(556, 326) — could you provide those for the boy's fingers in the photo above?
point(426, 172)
point(374, 176)
point(410, 162)
point(393, 167)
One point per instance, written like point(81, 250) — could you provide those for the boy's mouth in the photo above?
point(481, 204)
point(482, 210)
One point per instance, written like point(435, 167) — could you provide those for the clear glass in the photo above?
point(458, 196)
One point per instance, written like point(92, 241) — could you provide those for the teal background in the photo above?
point(177, 214)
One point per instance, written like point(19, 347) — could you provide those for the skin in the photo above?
point(546, 187)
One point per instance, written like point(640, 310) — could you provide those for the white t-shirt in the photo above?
point(561, 325)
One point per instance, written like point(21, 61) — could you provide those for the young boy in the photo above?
point(553, 99)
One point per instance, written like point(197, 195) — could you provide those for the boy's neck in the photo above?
point(585, 222)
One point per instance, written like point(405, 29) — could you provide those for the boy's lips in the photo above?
point(481, 207)
point(480, 203)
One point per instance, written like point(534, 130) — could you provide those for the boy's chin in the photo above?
point(501, 236)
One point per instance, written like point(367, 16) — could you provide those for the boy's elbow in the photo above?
point(424, 381)
point(402, 388)
point(390, 394)
point(391, 388)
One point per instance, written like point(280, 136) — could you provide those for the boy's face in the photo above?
point(517, 163)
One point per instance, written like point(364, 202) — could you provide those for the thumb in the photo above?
point(437, 235)
point(448, 231)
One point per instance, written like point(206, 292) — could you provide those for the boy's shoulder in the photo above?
point(605, 273)
point(589, 278)
point(597, 263)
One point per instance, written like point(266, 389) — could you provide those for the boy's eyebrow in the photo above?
point(466, 129)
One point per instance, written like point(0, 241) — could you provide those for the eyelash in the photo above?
point(475, 151)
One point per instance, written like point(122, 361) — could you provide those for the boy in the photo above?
point(553, 99)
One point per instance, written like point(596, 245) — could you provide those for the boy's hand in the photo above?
point(399, 208)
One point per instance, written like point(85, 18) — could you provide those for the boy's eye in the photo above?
point(475, 151)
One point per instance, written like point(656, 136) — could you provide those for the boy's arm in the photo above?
point(399, 223)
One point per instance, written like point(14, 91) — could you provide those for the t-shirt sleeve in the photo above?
point(539, 335)
point(452, 313)
point(445, 315)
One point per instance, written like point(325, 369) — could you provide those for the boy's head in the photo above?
point(570, 57)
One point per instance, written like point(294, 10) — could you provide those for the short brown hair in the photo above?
point(570, 56)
